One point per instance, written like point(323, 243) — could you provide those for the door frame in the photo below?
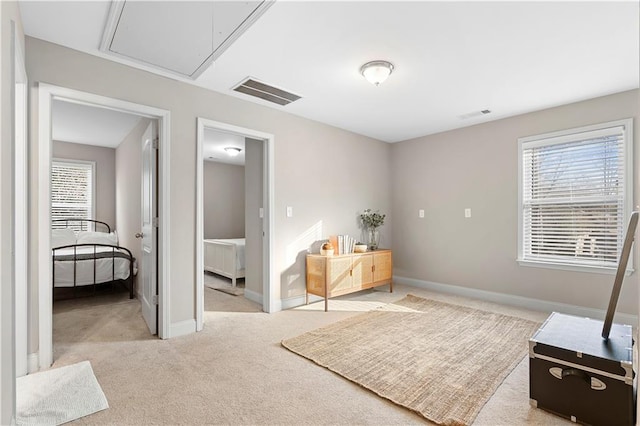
point(269, 289)
point(46, 94)
point(20, 206)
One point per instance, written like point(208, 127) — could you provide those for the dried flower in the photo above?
point(371, 219)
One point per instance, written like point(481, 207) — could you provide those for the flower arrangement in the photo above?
point(371, 219)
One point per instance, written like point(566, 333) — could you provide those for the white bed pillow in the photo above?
point(62, 237)
point(89, 237)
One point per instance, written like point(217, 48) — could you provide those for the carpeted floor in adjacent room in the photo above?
point(236, 372)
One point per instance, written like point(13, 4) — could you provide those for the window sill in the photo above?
point(571, 267)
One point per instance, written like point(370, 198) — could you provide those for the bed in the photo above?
point(225, 257)
point(86, 253)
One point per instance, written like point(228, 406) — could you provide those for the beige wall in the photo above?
point(223, 200)
point(9, 13)
point(128, 190)
point(323, 203)
point(253, 191)
point(105, 159)
point(476, 167)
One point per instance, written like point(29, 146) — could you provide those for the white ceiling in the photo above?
point(216, 141)
point(451, 58)
point(182, 37)
point(90, 125)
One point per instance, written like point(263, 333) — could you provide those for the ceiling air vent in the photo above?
point(474, 114)
point(260, 90)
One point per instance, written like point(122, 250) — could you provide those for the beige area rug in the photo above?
point(58, 396)
point(223, 284)
point(440, 360)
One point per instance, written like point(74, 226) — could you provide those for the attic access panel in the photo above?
point(179, 37)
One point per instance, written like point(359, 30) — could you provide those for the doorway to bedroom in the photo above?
point(124, 260)
point(224, 198)
point(95, 213)
point(234, 220)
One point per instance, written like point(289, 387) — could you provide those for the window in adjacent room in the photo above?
point(72, 191)
point(575, 196)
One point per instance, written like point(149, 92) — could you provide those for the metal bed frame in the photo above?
point(116, 252)
point(81, 221)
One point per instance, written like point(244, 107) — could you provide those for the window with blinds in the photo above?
point(72, 192)
point(575, 196)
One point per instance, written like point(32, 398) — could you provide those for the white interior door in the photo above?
point(149, 231)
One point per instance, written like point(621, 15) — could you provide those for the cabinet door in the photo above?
point(315, 275)
point(339, 274)
point(362, 271)
point(383, 266)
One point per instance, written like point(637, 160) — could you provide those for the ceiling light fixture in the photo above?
point(232, 151)
point(376, 71)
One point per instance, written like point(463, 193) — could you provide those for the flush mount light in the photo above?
point(232, 151)
point(376, 71)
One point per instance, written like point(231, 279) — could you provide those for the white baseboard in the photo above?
point(254, 296)
point(519, 301)
point(277, 306)
point(291, 302)
point(181, 328)
point(33, 362)
point(294, 302)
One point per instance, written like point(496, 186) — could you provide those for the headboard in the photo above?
point(80, 224)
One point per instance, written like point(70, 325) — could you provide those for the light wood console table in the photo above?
point(329, 276)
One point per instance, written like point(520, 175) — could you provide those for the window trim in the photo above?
point(93, 179)
point(564, 136)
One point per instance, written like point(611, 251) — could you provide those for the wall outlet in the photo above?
point(467, 213)
point(289, 211)
point(420, 213)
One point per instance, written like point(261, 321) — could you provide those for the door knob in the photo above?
point(139, 235)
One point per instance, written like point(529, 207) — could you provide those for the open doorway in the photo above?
point(49, 97)
point(222, 258)
point(95, 212)
point(225, 238)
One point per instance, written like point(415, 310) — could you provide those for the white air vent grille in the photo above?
point(261, 90)
point(474, 114)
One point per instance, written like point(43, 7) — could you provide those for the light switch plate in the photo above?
point(289, 211)
point(261, 212)
point(467, 213)
point(420, 213)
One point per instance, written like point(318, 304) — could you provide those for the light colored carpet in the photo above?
point(235, 371)
point(440, 360)
point(85, 297)
point(223, 284)
point(57, 396)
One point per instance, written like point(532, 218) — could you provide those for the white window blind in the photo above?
point(575, 196)
point(72, 192)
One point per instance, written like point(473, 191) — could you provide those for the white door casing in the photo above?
point(148, 230)
point(21, 207)
point(270, 291)
point(46, 94)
